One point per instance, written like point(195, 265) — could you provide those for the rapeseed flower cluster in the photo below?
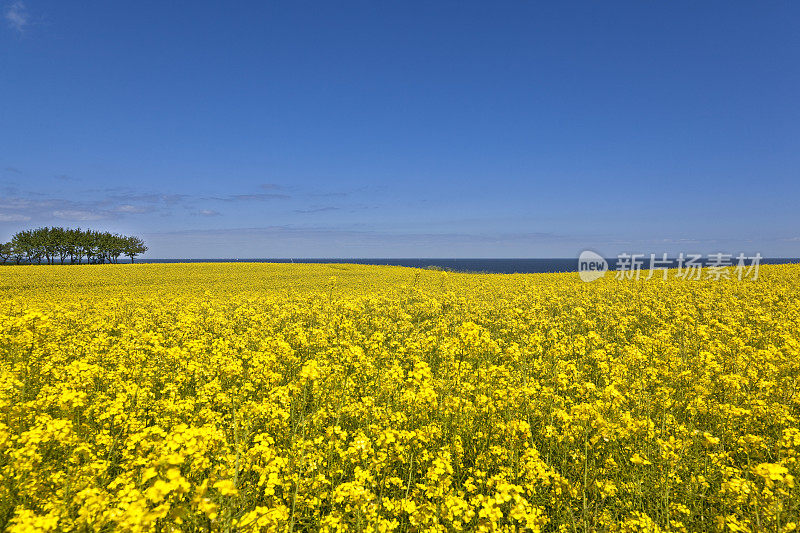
point(258, 397)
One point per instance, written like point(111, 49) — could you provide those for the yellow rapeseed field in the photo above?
point(263, 397)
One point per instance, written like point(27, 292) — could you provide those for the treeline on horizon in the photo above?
point(56, 245)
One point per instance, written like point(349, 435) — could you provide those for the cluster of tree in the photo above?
point(51, 245)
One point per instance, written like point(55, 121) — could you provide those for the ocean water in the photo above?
point(495, 266)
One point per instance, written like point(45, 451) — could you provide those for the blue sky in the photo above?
point(405, 129)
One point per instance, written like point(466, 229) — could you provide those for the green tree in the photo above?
point(56, 244)
point(6, 252)
point(134, 246)
point(25, 247)
point(115, 245)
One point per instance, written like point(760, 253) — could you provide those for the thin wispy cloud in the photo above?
point(114, 203)
point(342, 241)
point(279, 192)
point(17, 17)
point(78, 215)
point(324, 241)
point(133, 209)
point(149, 198)
point(13, 217)
point(23, 206)
point(322, 209)
point(258, 197)
point(338, 194)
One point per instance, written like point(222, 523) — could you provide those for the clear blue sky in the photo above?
point(405, 129)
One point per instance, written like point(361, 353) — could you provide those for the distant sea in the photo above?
point(495, 266)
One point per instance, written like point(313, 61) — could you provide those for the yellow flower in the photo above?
point(639, 459)
point(254, 397)
point(226, 487)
